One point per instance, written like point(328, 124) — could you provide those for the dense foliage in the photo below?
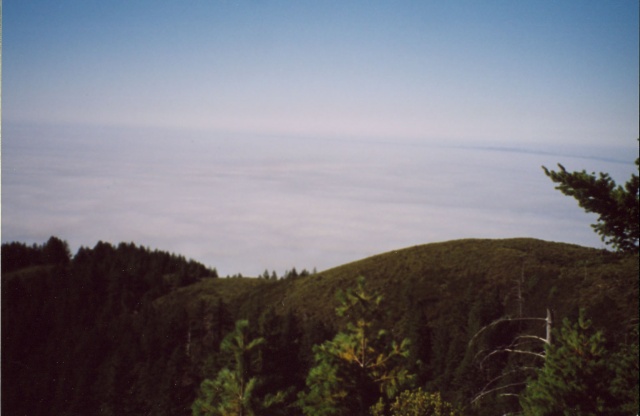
point(81, 335)
point(417, 403)
point(617, 206)
point(232, 392)
point(18, 255)
point(126, 330)
point(360, 365)
point(581, 376)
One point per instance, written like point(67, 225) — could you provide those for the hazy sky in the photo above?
point(271, 134)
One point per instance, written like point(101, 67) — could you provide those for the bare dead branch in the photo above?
point(510, 350)
point(500, 321)
point(481, 395)
point(534, 337)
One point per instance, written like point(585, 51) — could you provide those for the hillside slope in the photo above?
point(116, 344)
point(558, 276)
point(439, 295)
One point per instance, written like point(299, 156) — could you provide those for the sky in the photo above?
point(254, 135)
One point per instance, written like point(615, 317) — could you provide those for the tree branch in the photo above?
point(479, 396)
point(499, 321)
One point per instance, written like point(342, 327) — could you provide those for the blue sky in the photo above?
point(496, 70)
point(93, 91)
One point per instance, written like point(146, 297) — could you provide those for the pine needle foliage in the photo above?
point(231, 392)
point(617, 206)
point(577, 377)
point(360, 365)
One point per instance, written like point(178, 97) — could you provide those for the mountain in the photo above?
point(127, 330)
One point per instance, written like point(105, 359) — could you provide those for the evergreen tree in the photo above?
point(626, 385)
point(281, 368)
point(231, 393)
point(577, 376)
point(358, 366)
point(56, 251)
point(18, 255)
point(617, 206)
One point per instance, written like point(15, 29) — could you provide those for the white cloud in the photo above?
point(243, 204)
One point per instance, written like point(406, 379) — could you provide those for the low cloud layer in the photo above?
point(245, 204)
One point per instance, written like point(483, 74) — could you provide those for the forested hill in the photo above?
point(126, 330)
point(70, 325)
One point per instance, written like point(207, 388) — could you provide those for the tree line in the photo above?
point(77, 330)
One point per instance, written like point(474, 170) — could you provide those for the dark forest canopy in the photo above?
point(127, 330)
point(17, 255)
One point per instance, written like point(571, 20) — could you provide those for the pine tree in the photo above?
point(230, 393)
point(577, 376)
point(358, 366)
point(280, 367)
point(56, 251)
point(617, 206)
point(626, 384)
